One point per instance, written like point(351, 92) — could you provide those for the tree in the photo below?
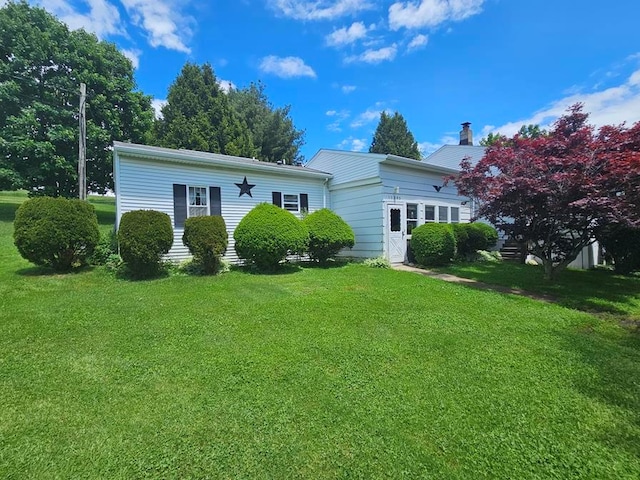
point(392, 137)
point(273, 133)
point(554, 191)
point(42, 64)
point(198, 116)
point(526, 131)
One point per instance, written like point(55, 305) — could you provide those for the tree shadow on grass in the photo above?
point(337, 263)
point(283, 269)
point(615, 355)
point(8, 211)
point(593, 291)
point(40, 271)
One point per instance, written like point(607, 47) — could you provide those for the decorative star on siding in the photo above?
point(245, 187)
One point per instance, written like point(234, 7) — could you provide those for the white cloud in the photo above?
point(347, 35)
point(346, 89)
point(226, 85)
point(286, 67)
point(163, 21)
point(368, 116)
point(417, 42)
point(375, 55)
point(427, 148)
point(431, 13)
point(103, 18)
point(353, 144)
point(320, 9)
point(133, 55)
point(157, 105)
point(611, 106)
point(339, 117)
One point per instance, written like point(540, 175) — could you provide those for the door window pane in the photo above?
point(395, 219)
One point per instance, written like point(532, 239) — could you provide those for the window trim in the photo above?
point(285, 202)
point(206, 197)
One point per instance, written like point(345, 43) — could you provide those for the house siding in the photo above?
point(346, 166)
point(361, 208)
point(148, 184)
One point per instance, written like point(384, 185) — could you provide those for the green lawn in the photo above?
point(347, 372)
point(598, 291)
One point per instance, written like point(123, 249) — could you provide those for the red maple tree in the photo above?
point(552, 192)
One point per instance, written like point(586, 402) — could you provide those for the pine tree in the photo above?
point(392, 137)
point(199, 116)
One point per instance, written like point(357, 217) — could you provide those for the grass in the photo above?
point(349, 372)
point(597, 291)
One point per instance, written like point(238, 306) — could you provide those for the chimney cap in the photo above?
point(466, 124)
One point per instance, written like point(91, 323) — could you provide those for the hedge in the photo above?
point(206, 238)
point(56, 232)
point(328, 234)
point(433, 243)
point(144, 237)
point(267, 234)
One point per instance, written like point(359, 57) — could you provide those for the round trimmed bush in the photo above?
point(490, 234)
point(328, 234)
point(462, 239)
point(144, 237)
point(433, 243)
point(206, 238)
point(267, 234)
point(56, 232)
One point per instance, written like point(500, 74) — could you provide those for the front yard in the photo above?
point(315, 373)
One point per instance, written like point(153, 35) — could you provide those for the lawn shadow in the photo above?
point(337, 263)
point(593, 291)
point(615, 356)
point(8, 211)
point(283, 269)
point(41, 271)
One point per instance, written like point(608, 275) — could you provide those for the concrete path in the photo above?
point(474, 283)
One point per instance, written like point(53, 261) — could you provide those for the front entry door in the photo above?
point(396, 243)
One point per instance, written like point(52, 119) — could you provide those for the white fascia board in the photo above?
point(418, 165)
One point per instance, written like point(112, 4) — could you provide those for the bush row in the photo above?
point(63, 234)
point(439, 243)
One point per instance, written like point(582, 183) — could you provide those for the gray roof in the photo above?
point(450, 156)
point(193, 156)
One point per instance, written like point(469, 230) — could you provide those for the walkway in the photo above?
point(474, 283)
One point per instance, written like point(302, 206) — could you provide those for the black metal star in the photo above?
point(245, 187)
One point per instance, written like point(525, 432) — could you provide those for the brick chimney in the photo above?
point(466, 135)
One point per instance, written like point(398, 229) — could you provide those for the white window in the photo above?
point(412, 217)
point(290, 202)
point(429, 213)
point(443, 214)
point(455, 214)
point(198, 205)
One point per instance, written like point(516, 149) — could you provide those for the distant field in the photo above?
point(347, 372)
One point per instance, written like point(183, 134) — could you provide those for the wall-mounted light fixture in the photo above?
point(396, 190)
point(464, 203)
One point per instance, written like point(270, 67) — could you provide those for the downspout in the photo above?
point(324, 193)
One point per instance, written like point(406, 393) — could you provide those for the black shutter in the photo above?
point(216, 202)
point(277, 198)
point(304, 202)
point(179, 205)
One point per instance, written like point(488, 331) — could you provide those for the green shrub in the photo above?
point(107, 246)
point(378, 262)
point(622, 245)
point(433, 243)
point(206, 238)
point(56, 232)
point(460, 232)
point(144, 237)
point(477, 236)
point(328, 234)
point(267, 234)
point(490, 234)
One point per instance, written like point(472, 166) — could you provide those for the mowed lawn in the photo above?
point(348, 372)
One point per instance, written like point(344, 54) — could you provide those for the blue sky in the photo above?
point(339, 63)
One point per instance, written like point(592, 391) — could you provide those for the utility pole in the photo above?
point(82, 145)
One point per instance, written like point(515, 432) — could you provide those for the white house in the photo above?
point(185, 183)
point(382, 197)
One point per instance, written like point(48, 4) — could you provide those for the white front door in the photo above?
point(396, 242)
